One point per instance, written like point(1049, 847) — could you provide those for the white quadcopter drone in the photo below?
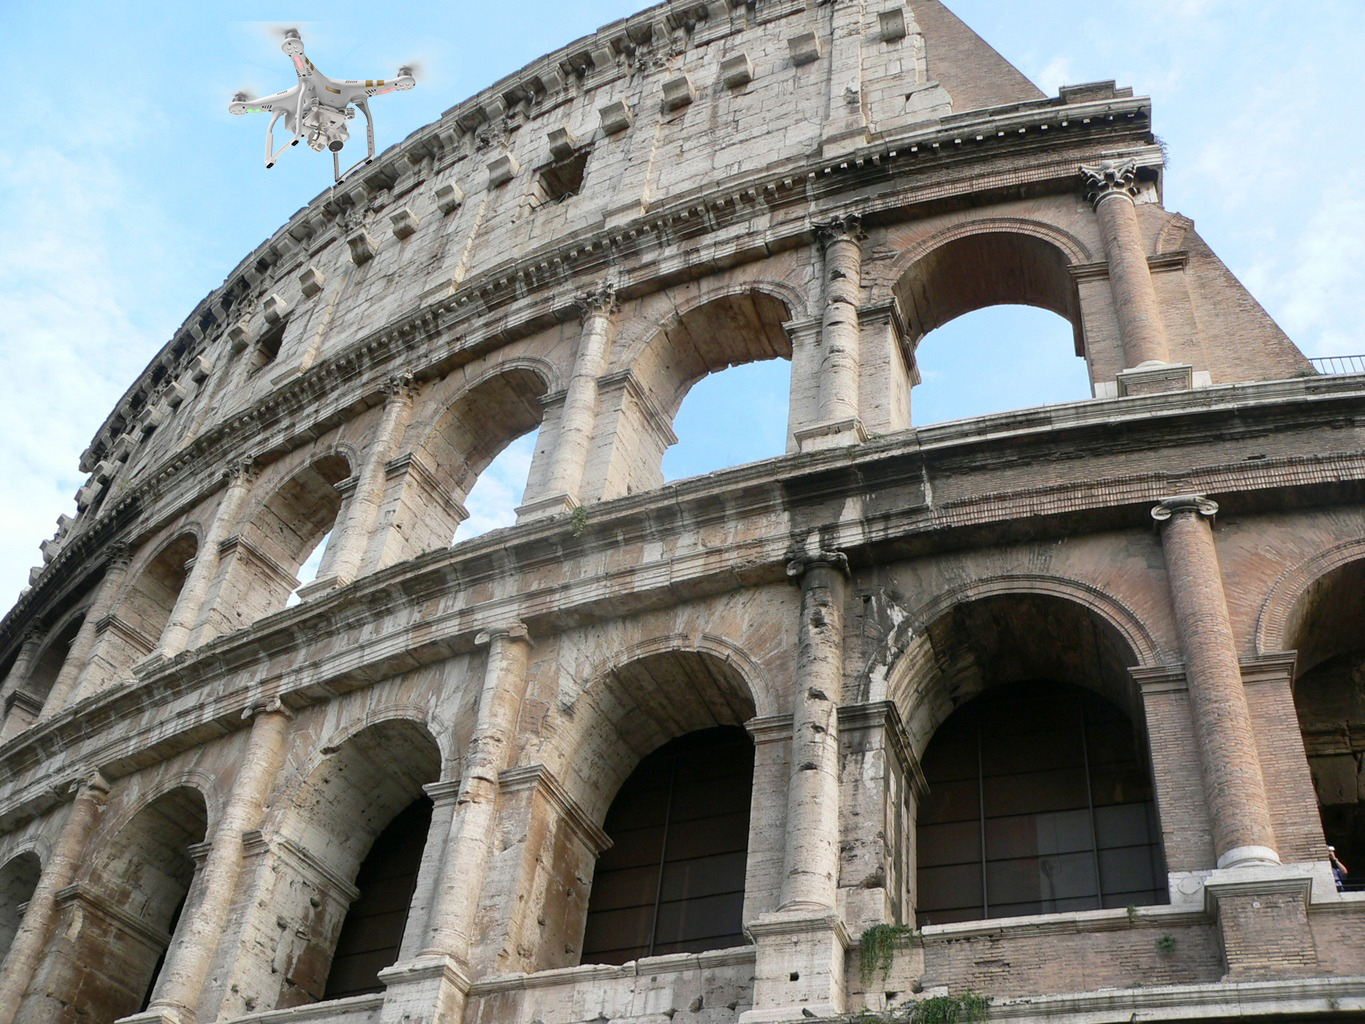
point(318, 108)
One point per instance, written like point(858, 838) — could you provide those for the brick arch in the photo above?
point(927, 682)
point(1276, 623)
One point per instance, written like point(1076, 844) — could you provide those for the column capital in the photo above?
point(242, 470)
point(91, 782)
point(268, 706)
point(1192, 503)
point(513, 631)
point(398, 385)
point(799, 565)
point(597, 301)
point(846, 227)
point(120, 554)
point(1110, 178)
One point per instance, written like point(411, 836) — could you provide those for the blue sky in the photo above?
point(127, 192)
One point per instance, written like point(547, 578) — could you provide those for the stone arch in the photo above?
point(938, 661)
point(652, 693)
point(658, 696)
point(142, 610)
point(352, 789)
point(28, 699)
point(990, 262)
point(18, 878)
point(744, 324)
point(488, 412)
point(287, 518)
point(119, 920)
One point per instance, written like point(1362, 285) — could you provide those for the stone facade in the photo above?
point(704, 184)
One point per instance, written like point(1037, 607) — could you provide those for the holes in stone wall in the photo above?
point(267, 349)
point(560, 180)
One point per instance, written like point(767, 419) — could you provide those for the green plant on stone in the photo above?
point(877, 948)
point(967, 1008)
point(1166, 944)
point(579, 519)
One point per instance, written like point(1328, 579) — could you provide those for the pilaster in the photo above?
point(840, 338)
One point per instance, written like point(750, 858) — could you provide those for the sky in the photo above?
point(128, 193)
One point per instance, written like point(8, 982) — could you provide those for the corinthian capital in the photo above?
point(1191, 503)
point(848, 227)
point(600, 301)
point(1110, 177)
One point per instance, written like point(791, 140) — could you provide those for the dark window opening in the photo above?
point(161, 960)
point(267, 350)
point(673, 880)
point(373, 929)
point(561, 179)
point(1039, 802)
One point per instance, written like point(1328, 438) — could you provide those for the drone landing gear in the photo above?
point(271, 153)
point(364, 106)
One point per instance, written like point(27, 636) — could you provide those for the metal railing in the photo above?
point(1339, 364)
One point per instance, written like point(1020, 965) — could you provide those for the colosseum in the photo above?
point(703, 752)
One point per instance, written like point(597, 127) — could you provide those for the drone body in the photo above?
point(317, 108)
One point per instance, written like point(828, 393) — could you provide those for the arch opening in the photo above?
point(673, 880)
point(974, 273)
point(18, 879)
point(120, 923)
point(1010, 638)
point(142, 613)
point(361, 817)
point(1325, 627)
point(282, 534)
point(492, 501)
point(1039, 801)
point(729, 331)
point(996, 359)
point(729, 418)
point(499, 416)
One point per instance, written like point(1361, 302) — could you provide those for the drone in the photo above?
point(317, 108)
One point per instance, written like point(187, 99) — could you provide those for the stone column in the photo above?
point(840, 338)
point(83, 647)
point(579, 415)
point(190, 604)
point(799, 967)
point(1235, 788)
point(471, 829)
point(13, 691)
point(1111, 187)
point(436, 982)
point(346, 550)
point(811, 863)
point(31, 940)
point(191, 956)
